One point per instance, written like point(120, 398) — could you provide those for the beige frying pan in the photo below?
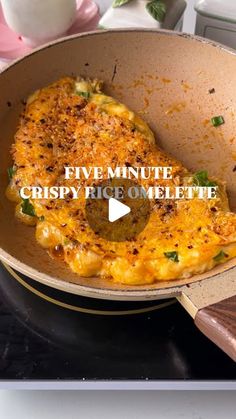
point(167, 77)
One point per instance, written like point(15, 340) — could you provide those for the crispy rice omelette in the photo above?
point(72, 123)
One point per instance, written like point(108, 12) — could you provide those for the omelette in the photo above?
point(73, 123)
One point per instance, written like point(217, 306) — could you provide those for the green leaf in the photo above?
point(86, 95)
point(27, 208)
point(157, 9)
point(118, 3)
point(201, 179)
point(220, 256)
point(11, 171)
point(172, 256)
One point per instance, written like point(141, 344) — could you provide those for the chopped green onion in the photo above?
point(220, 256)
point(11, 171)
point(172, 256)
point(27, 208)
point(41, 218)
point(86, 95)
point(217, 121)
point(201, 179)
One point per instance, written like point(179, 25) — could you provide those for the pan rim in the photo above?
point(109, 293)
point(164, 32)
point(100, 292)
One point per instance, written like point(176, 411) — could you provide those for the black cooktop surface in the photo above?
point(60, 340)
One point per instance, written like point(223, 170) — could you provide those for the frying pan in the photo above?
point(177, 82)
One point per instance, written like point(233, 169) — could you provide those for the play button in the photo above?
point(117, 210)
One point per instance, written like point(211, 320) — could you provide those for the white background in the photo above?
point(125, 405)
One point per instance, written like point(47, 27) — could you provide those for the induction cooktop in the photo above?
point(51, 339)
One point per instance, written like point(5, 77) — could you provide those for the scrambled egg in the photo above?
point(72, 123)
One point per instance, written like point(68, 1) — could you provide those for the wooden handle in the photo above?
point(218, 323)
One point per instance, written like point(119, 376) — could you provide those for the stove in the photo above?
point(48, 336)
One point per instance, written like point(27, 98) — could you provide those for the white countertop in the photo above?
point(116, 405)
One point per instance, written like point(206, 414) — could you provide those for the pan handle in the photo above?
point(218, 323)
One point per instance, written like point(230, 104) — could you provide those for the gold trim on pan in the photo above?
point(81, 309)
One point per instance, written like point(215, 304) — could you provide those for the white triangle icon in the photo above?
point(117, 210)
